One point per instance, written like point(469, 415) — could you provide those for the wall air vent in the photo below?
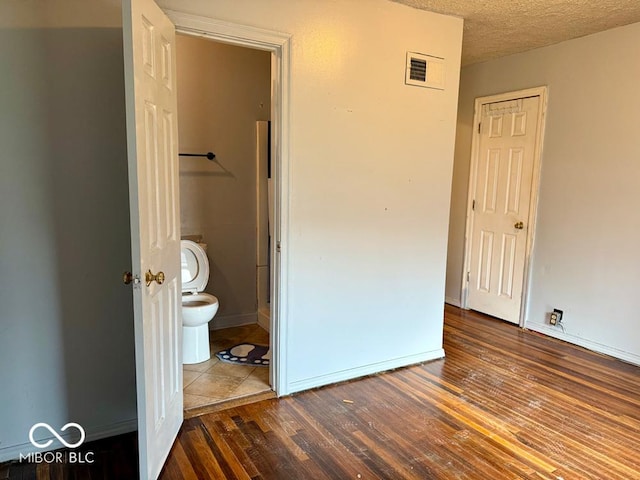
point(424, 71)
point(418, 70)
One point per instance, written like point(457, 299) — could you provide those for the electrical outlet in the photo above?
point(556, 316)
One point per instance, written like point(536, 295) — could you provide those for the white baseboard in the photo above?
point(370, 369)
point(582, 342)
point(264, 319)
point(13, 452)
point(229, 321)
point(453, 301)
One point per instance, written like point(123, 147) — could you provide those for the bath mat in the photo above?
point(246, 354)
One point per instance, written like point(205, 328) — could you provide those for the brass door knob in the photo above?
point(519, 225)
point(150, 277)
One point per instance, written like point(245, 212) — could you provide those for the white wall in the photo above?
point(66, 326)
point(370, 177)
point(585, 258)
point(222, 91)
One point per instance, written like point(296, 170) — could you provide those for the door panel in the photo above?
point(151, 104)
point(490, 184)
point(485, 265)
point(507, 265)
point(502, 197)
point(514, 181)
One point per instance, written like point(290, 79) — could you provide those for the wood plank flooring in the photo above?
point(504, 404)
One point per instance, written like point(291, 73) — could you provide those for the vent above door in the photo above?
point(424, 71)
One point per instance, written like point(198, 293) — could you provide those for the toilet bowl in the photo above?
point(198, 308)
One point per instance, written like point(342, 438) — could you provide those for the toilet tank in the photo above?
point(197, 238)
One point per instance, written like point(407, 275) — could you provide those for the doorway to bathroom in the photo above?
point(227, 207)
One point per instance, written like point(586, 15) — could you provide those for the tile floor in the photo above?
point(213, 381)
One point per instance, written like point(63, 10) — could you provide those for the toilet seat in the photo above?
point(198, 309)
point(194, 265)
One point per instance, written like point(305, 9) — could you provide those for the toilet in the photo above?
point(198, 308)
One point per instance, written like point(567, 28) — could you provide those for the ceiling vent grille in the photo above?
point(424, 71)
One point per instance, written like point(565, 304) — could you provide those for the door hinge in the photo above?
point(479, 125)
point(278, 247)
point(468, 276)
point(473, 206)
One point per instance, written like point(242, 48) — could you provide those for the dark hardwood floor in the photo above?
point(504, 404)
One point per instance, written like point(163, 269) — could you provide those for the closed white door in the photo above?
point(151, 105)
point(501, 201)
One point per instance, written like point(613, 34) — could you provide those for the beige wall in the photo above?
point(222, 91)
point(370, 176)
point(585, 258)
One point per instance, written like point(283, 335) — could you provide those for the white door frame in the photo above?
point(535, 187)
point(279, 44)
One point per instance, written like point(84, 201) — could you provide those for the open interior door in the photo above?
point(151, 106)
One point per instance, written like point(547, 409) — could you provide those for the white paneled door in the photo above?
point(151, 105)
point(501, 206)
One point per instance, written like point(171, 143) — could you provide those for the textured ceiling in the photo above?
point(495, 28)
